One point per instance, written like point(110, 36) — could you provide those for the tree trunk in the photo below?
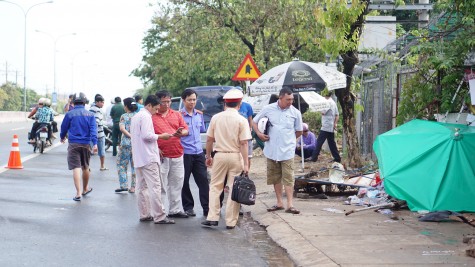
point(347, 99)
point(347, 102)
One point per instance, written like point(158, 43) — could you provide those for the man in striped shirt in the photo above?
point(96, 109)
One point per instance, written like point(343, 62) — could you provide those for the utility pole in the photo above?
point(423, 14)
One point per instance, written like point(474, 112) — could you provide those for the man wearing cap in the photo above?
point(280, 145)
point(230, 133)
point(80, 126)
point(309, 142)
point(96, 109)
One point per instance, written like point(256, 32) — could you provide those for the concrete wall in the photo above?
point(13, 116)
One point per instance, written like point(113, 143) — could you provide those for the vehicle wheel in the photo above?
point(42, 147)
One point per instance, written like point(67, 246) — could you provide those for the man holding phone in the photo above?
point(167, 120)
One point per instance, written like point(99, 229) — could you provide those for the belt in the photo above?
point(226, 152)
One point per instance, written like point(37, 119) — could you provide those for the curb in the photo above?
point(301, 251)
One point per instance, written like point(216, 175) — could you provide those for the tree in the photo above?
point(177, 48)
point(11, 97)
point(438, 61)
point(342, 26)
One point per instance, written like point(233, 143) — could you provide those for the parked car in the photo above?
point(209, 101)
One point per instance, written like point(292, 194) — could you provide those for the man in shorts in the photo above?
point(80, 126)
point(279, 149)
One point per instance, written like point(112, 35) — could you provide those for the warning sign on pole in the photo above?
point(247, 71)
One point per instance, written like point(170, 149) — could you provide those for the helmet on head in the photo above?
point(47, 102)
point(41, 101)
point(80, 98)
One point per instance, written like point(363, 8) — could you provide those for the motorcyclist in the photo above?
point(54, 124)
point(35, 125)
point(44, 115)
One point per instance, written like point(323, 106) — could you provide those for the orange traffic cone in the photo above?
point(14, 162)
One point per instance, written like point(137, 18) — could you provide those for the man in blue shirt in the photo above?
point(139, 101)
point(193, 158)
point(247, 112)
point(80, 125)
point(280, 145)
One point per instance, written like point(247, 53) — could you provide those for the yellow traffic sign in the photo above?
point(247, 70)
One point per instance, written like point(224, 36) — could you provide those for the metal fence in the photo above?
point(379, 96)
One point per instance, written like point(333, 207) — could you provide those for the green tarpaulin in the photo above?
point(431, 165)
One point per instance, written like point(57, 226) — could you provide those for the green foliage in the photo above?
point(337, 21)
point(203, 42)
point(313, 119)
point(439, 63)
point(11, 97)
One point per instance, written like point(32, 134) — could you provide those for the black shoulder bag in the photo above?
point(244, 190)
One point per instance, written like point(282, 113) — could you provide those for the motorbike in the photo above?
point(42, 138)
point(108, 135)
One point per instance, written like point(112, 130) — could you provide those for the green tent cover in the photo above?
point(431, 165)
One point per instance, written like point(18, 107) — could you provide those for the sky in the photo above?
point(98, 43)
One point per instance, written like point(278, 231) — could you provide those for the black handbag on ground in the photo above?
point(244, 190)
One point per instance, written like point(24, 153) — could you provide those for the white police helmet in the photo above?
point(263, 125)
point(233, 95)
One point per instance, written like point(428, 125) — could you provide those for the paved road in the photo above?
point(40, 224)
point(7, 130)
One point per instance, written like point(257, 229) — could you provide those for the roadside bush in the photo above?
point(314, 120)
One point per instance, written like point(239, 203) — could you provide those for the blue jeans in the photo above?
point(101, 143)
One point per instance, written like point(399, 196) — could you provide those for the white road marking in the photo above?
point(31, 156)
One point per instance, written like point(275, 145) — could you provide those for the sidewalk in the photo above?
point(317, 237)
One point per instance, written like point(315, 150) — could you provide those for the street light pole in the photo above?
point(55, 41)
point(72, 68)
point(25, 13)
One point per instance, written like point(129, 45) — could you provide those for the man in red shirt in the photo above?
point(172, 171)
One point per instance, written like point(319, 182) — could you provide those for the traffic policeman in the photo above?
point(229, 132)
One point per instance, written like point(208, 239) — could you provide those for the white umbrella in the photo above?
point(300, 76)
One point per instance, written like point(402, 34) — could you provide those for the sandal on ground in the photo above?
point(77, 198)
point(292, 210)
point(118, 190)
point(132, 190)
point(104, 169)
point(87, 192)
point(274, 208)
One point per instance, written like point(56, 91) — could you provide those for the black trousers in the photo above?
point(307, 152)
point(195, 164)
point(36, 126)
point(116, 134)
point(55, 126)
point(330, 137)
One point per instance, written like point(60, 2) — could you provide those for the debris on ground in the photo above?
point(333, 210)
point(470, 251)
point(445, 215)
